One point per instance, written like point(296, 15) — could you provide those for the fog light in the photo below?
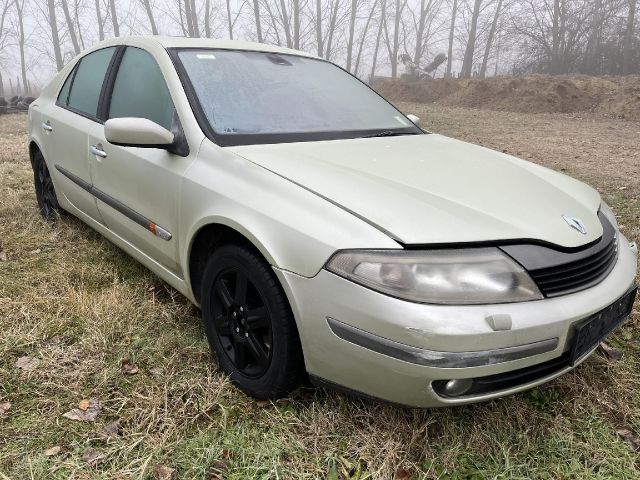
point(455, 388)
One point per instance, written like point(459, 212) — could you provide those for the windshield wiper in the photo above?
point(388, 133)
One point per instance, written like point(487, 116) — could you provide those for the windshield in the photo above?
point(260, 97)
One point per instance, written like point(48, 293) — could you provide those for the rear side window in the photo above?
point(87, 82)
point(140, 90)
point(63, 96)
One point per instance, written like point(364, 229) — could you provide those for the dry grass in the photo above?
point(82, 307)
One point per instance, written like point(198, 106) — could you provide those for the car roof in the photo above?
point(187, 42)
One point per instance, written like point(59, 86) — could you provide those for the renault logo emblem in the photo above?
point(575, 223)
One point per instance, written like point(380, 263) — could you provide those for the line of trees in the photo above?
point(367, 37)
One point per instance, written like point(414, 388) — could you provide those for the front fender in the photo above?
point(294, 229)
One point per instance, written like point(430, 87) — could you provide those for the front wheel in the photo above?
point(45, 193)
point(249, 323)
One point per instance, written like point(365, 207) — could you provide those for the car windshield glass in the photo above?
point(243, 93)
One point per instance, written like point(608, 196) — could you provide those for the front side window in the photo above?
point(248, 96)
point(86, 84)
point(140, 90)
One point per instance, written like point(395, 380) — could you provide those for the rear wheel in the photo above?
point(45, 192)
point(249, 323)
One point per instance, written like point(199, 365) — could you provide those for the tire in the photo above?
point(251, 329)
point(45, 191)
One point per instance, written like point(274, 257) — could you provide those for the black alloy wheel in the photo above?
point(45, 192)
point(249, 324)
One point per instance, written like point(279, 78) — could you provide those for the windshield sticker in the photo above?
point(401, 120)
point(206, 56)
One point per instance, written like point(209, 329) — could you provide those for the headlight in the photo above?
point(608, 213)
point(453, 277)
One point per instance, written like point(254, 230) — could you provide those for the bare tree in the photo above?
point(256, 14)
point(285, 23)
point(70, 27)
point(335, 6)
point(100, 21)
point(393, 44)
point(194, 18)
point(492, 32)
point(383, 12)
point(628, 39)
point(352, 26)
point(152, 21)
point(296, 24)
point(364, 36)
point(467, 62)
point(318, 20)
point(229, 19)
point(428, 10)
point(114, 18)
point(452, 28)
point(53, 23)
point(23, 66)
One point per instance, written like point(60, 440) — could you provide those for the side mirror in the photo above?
point(414, 118)
point(137, 132)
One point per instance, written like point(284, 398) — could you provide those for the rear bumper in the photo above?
point(454, 330)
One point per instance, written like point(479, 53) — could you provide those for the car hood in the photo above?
point(430, 189)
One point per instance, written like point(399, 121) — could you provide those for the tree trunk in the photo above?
point(396, 39)
point(555, 45)
point(23, 66)
point(467, 63)
point(383, 8)
point(332, 28)
point(352, 26)
point(256, 14)
point(492, 32)
point(100, 22)
point(592, 52)
point(53, 23)
point(114, 18)
point(285, 23)
point(422, 24)
point(1, 85)
point(229, 21)
point(628, 40)
point(77, 19)
point(188, 17)
point(454, 11)
point(194, 19)
point(72, 30)
point(207, 18)
point(296, 24)
point(152, 21)
point(274, 23)
point(319, 39)
point(364, 36)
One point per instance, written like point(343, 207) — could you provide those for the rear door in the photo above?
point(67, 124)
point(139, 186)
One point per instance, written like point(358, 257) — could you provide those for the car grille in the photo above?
point(558, 272)
point(577, 275)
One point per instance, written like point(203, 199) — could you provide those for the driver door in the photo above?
point(137, 188)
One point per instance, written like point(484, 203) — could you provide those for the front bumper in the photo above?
point(452, 329)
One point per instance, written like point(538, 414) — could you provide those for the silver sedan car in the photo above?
point(322, 232)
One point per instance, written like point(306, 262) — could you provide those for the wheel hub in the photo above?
point(239, 325)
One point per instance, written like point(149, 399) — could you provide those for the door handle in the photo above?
point(98, 151)
point(47, 126)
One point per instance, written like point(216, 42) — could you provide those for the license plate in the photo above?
point(592, 330)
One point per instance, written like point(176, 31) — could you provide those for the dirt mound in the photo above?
point(615, 96)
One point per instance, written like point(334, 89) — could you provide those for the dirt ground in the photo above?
point(85, 327)
point(617, 97)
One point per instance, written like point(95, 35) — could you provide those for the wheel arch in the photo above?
point(34, 147)
point(207, 238)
